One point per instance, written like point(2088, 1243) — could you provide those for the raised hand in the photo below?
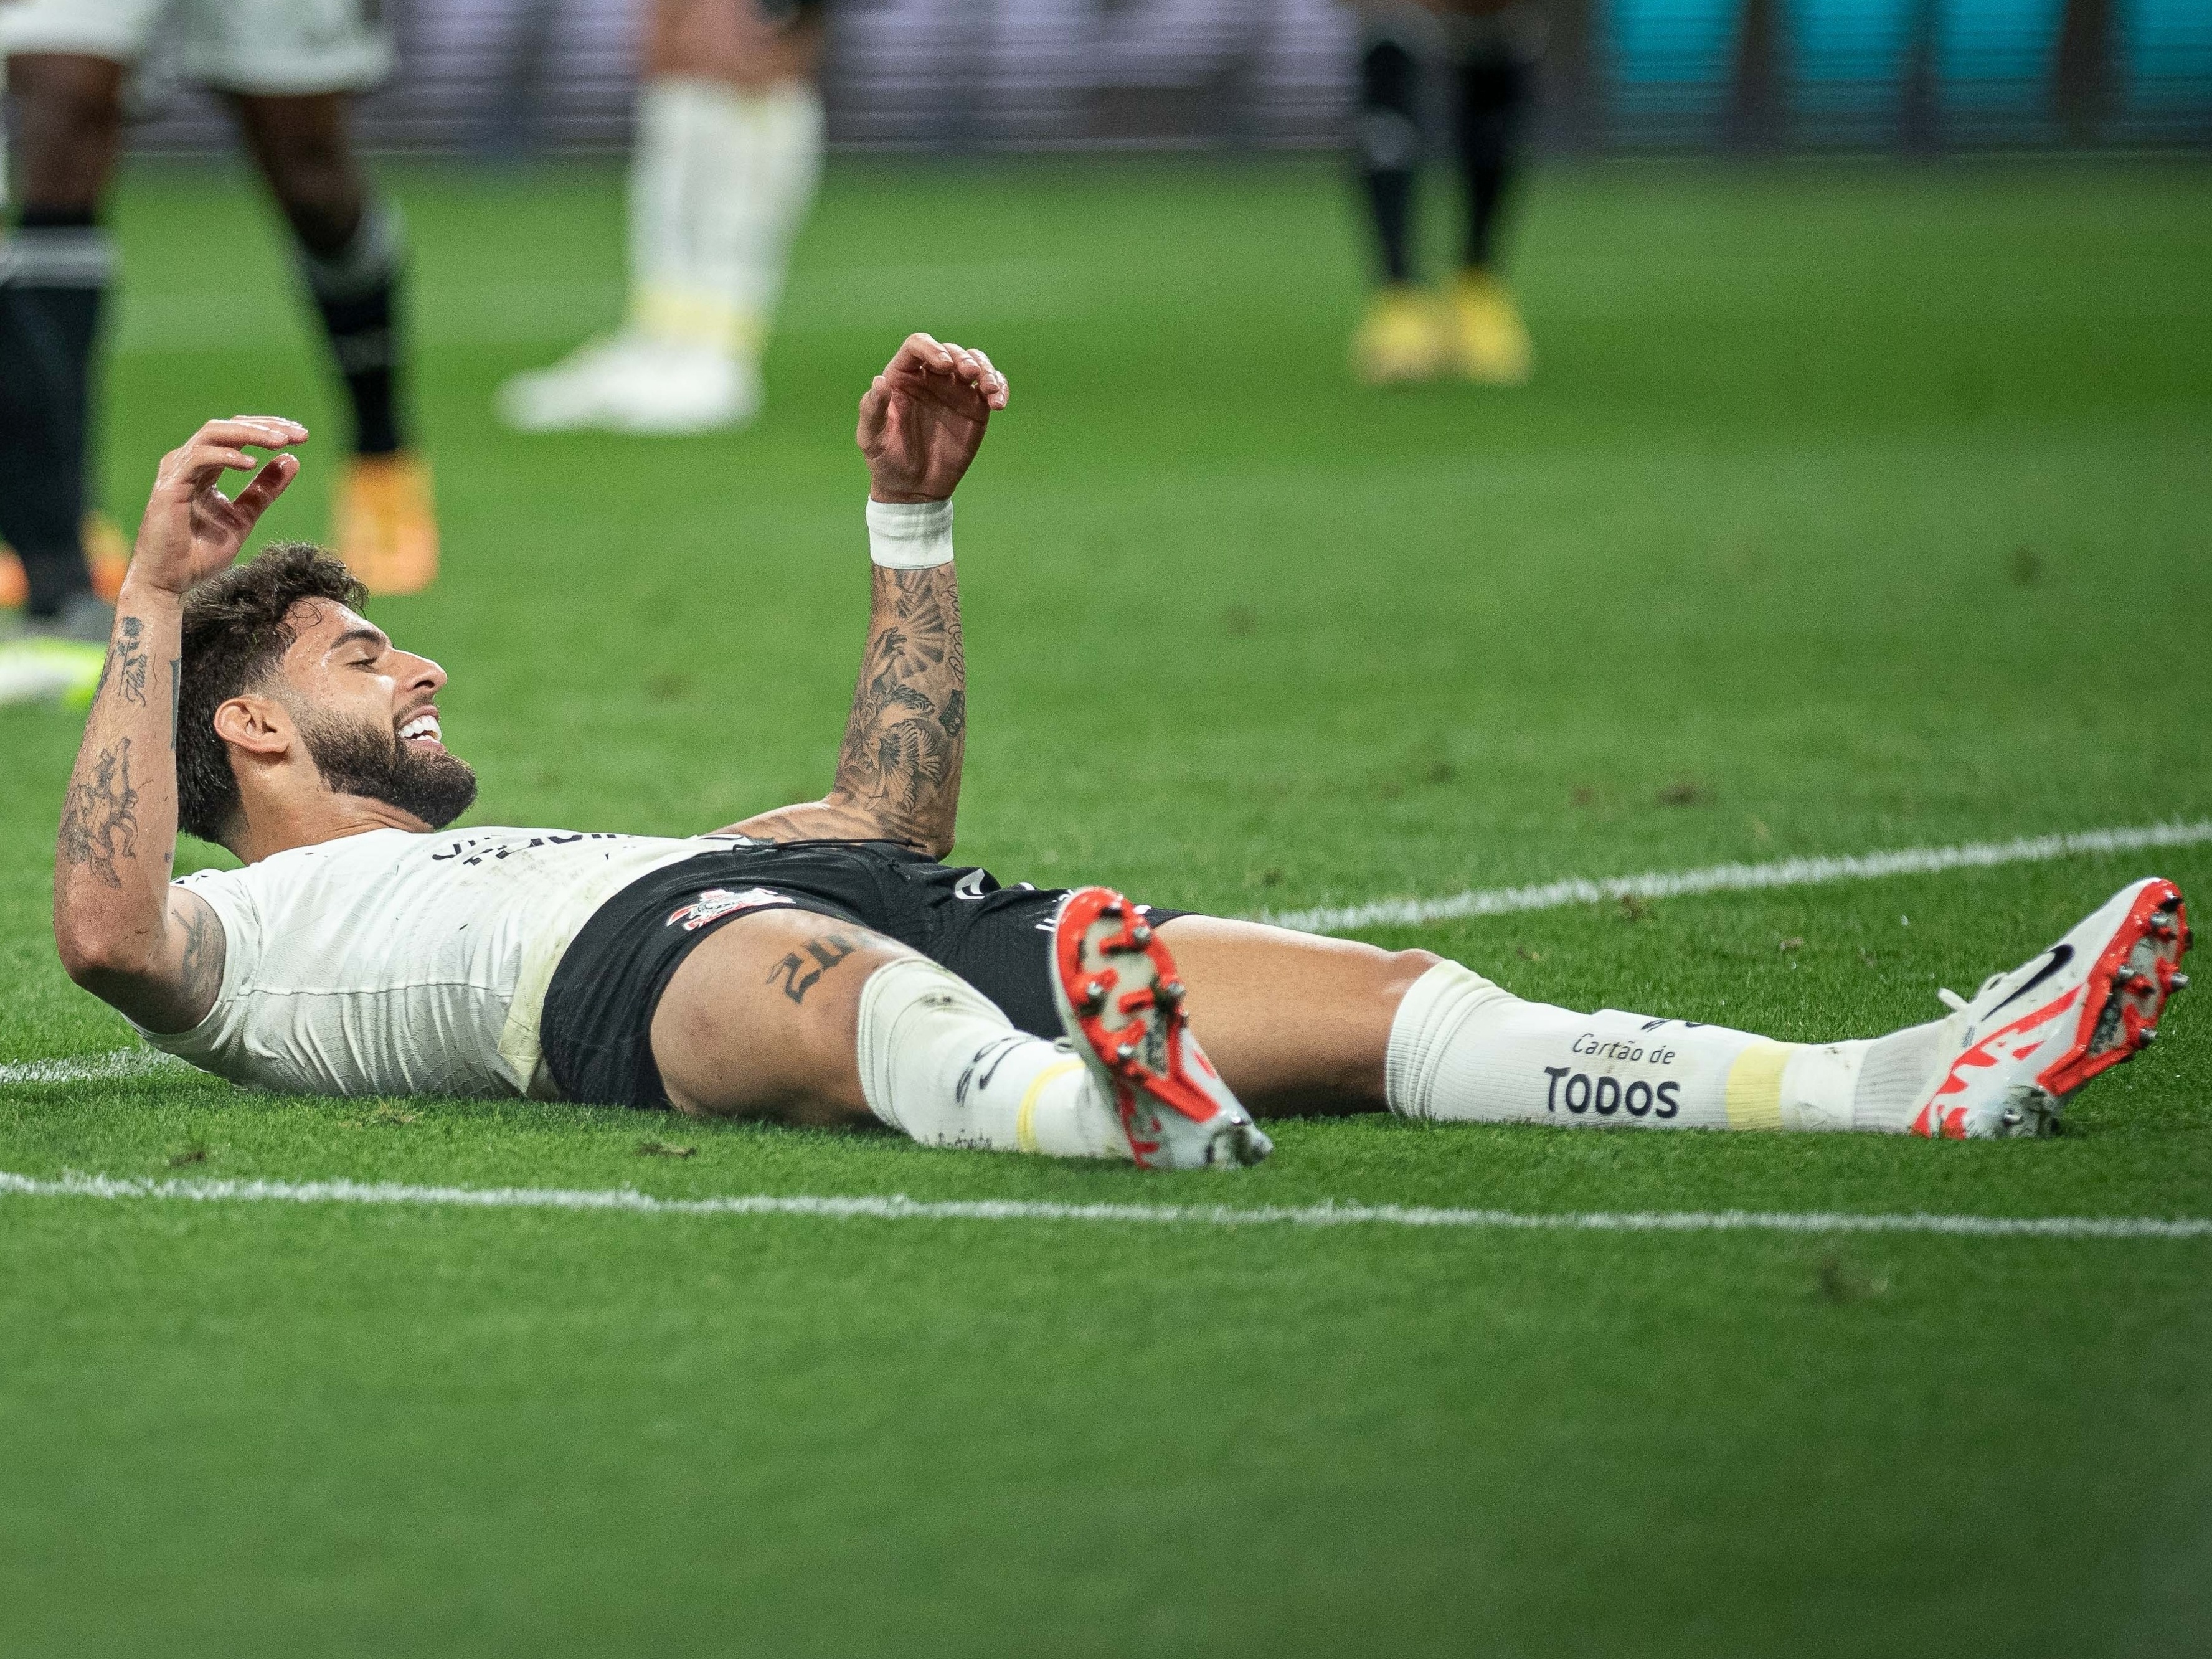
point(923, 419)
point(191, 529)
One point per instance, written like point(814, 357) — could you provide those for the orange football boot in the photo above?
point(1121, 1001)
point(106, 552)
point(104, 549)
point(385, 526)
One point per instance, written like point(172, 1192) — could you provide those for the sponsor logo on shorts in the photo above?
point(719, 901)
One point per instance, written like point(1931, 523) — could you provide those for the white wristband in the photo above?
point(910, 535)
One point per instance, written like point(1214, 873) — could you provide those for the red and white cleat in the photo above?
point(1121, 1004)
point(2031, 1038)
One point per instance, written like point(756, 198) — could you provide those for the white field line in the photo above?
point(90, 1068)
point(896, 1207)
point(1740, 877)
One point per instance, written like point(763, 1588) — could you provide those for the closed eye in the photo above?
point(370, 642)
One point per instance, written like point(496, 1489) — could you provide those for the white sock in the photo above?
point(940, 1062)
point(1463, 1048)
point(720, 185)
point(660, 241)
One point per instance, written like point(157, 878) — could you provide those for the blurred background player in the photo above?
point(285, 68)
point(727, 155)
point(1475, 59)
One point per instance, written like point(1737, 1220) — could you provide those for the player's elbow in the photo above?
point(99, 959)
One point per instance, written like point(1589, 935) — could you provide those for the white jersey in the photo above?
point(391, 962)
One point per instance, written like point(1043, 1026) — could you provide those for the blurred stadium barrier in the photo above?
point(520, 76)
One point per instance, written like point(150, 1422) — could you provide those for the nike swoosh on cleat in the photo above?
point(2060, 956)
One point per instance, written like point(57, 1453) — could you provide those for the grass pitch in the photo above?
point(1852, 508)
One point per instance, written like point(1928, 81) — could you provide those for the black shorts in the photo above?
point(596, 1029)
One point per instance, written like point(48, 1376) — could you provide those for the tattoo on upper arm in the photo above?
point(802, 970)
point(100, 819)
point(199, 976)
point(900, 747)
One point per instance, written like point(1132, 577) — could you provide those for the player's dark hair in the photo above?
point(237, 629)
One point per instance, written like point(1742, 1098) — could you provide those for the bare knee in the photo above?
point(1379, 980)
point(69, 118)
point(1401, 969)
point(1390, 975)
point(738, 45)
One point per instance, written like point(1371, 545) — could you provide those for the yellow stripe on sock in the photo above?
point(1025, 1119)
point(683, 317)
point(1755, 1086)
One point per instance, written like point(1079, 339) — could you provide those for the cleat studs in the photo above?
point(2147, 1035)
point(1126, 1051)
point(1170, 992)
point(2177, 982)
point(2169, 904)
point(1140, 936)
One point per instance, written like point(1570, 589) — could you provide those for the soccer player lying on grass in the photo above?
point(818, 964)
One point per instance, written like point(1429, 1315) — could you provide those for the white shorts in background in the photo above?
point(269, 46)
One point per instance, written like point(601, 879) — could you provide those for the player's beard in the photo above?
point(376, 763)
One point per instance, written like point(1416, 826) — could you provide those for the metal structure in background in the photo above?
point(518, 77)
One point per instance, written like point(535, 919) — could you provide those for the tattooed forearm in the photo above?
point(100, 819)
point(121, 932)
point(904, 741)
point(126, 662)
point(802, 970)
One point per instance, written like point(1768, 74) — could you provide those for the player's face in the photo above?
point(369, 715)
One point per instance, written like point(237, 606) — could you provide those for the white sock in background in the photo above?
point(940, 1062)
point(659, 161)
point(1462, 1047)
point(719, 183)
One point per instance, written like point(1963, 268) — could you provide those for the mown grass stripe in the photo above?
point(1738, 878)
point(896, 1207)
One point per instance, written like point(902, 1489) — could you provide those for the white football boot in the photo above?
point(628, 383)
point(2029, 1039)
point(1121, 1004)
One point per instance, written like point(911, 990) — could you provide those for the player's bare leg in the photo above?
point(1298, 1024)
point(760, 1020)
point(353, 252)
point(805, 1019)
point(69, 124)
point(68, 120)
